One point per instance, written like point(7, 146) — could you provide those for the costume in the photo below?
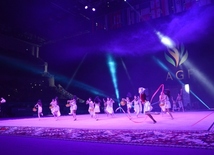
point(109, 106)
point(147, 106)
point(97, 102)
point(137, 104)
point(55, 110)
point(2, 101)
point(39, 107)
point(180, 103)
point(73, 105)
point(90, 107)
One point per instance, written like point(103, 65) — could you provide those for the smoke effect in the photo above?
point(187, 27)
point(192, 25)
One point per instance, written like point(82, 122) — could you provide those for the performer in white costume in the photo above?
point(109, 106)
point(128, 105)
point(180, 103)
point(90, 106)
point(1, 102)
point(39, 107)
point(55, 110)
point(137, 104)
point(73, 107)
point(165, 103)
point(97, 102)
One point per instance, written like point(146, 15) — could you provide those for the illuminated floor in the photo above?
point(201, 120)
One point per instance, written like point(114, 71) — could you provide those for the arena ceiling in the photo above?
point(45, 21)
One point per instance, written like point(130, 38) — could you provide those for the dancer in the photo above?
point(55, 110)
point(2, 101)
point(73, 107)
point(166, 103)
point(97, 102)
point(90, 106)
point(147, 106)
point(162, 101)
point(38, 106)
point(174, 105)
point(180, 103)
point(128, 104)
point(109, 106)
point(105, 106)
point(137, 104)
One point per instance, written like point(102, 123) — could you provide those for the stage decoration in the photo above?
point(161, 138)
point(176, 56)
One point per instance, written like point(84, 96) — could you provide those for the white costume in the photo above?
point(2, 100)
point(90, 106)
point(55, 110)
point(109, 106)
point(73, 105)
point(137, 104)
point(97, 108)
point(147, 107)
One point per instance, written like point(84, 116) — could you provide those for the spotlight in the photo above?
point(86, 7)
point(165, 40)
point(186, 87)
point(93, 9)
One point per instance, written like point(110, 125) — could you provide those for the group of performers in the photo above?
point(140, 103)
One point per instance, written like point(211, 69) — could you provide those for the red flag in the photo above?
point(155, 8)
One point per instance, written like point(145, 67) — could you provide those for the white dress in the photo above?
point(97, 108)
point(147, 107)
point(136, 106)
point(109, 107)
point(73, 105)
point(168, 104)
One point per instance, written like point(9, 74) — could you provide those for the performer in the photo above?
point(90, 106)
point(162, 100)
point(137, 104)
point(166, 103)
point(2, 101)
point(73, 107)
point(38, 106)
point(147, 105)
point(174, 105)
point(105, 106)
point(128, 104)
point(109, 106)
point(180, 103)
point(97, 102)
point(55, 110)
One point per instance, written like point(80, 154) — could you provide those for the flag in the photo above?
point(188, 4)
point(131, 16)
point(115, 20)
point(178, 6)
point(155, 8)
point(143, 10)
point(164, 4)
